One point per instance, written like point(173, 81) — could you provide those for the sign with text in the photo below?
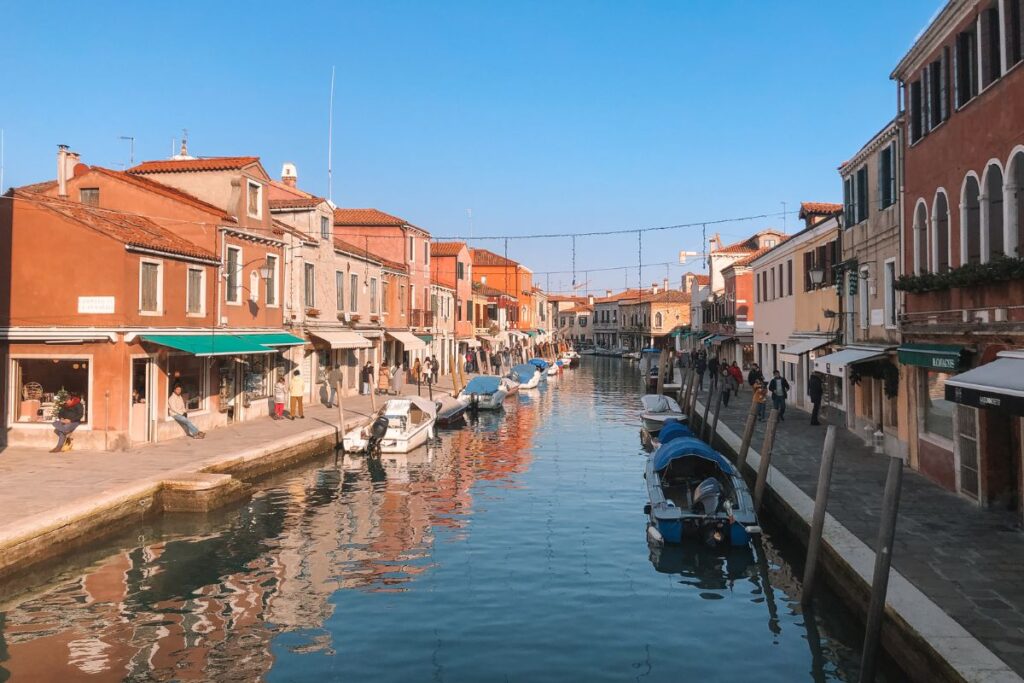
point(95, 304)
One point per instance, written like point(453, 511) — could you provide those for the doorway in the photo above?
point(141, 401)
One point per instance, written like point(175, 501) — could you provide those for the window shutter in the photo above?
point(957, 46)
point(808, 264)
point(848, 201)
point(926, 109)
point(944, 85)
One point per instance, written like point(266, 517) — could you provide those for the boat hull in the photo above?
point(485, 401)
point(393, 442)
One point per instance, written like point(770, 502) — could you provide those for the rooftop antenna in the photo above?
point(469, 216)
point(184, 142)
point(330, 141)
point(131, 148)
point(784, 217)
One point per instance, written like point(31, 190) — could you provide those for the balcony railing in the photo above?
point(421, 318)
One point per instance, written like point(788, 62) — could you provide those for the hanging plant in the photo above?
point(999, 269)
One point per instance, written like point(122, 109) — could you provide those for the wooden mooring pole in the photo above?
point(748, 434)
point(707, 410)
point(766, 458)
point(341, 409)
point(661, 372)
point(828, 453)
point(714, 420)
point(883, 561)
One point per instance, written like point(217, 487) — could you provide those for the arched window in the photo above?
point(970, 221)
point(920, 238)
point(1015, 207)
point(940, 234)
point(992, 213)
point(657, 319)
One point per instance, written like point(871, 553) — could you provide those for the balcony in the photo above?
point(421, 318)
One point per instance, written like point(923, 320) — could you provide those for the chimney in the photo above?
point(654, 288)
point(289, 174)
point(62, 170)
point(590, 299)
point(607, 292)
point(664, 284)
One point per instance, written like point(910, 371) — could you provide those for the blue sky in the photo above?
point(542, 117)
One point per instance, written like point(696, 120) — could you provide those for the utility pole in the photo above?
point(131, 148)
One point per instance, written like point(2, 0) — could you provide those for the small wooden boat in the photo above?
point(695, 493)
point(401, 425)
point(657, 409)
point(484, 393)
point(451, 412)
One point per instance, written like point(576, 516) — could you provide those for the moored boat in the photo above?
point(695, 493)
point(484, 393)
point(657, 410)
point(528, 376)
point(400, 425)
point(451, 412)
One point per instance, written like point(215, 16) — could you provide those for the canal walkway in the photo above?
point(54, 498)
point(965, 559)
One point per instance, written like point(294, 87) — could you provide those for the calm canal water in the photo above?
point(512, 550)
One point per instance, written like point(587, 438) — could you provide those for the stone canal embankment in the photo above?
point(936, 541)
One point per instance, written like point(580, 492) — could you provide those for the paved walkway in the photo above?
point(968, 560)
point(34, 482)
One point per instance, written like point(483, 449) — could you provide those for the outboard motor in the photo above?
point(706, 496)
point(378, 428)
point(474, 402)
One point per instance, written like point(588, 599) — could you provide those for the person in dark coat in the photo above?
point(700, 366)
point(815, 390)
point(755, 375)
point(778, 389)
point(713, 371)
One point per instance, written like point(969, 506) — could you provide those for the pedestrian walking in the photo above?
point(700, 366)
point(398, 378)
point(815, 390)
point(384, 378)
point(69, 417)
point(333, 379)
point(737, 375)
point(713, 373)
point(417, 368)
point(754, 375)
point(280, 395)
point(779, 389)
point(435, 367)
point(760, 399)
point(366, 378)
point(178, 412)
point(729, 385)
point(296, 390)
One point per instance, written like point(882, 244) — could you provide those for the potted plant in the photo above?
point(313, 312)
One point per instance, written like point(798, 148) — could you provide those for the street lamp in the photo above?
point(817, 275)
point(266, 270)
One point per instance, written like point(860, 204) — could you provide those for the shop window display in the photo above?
point(41, 382)
point(937, 411)
point(257, 379)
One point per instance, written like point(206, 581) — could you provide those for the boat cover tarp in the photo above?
point(659, 403)
point(524, 371)
point(689, 447)
point(673, 430)
point(540, 363)
point(487, 384)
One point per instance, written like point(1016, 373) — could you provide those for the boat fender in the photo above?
point(654, 535)
point(753, 530)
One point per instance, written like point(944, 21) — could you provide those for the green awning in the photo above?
point(427, 338)
point(531, 333)
point(208, 344)
point(933, 356)
point(274, 339)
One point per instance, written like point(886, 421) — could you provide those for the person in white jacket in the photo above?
point(296, 390)
point(178, 411)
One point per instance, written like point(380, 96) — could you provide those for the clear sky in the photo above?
point(540, 116)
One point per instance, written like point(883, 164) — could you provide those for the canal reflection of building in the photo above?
point(197, 607)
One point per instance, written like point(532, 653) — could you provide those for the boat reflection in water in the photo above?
point(704, 568)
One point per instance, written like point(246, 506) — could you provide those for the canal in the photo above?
point(510, 550)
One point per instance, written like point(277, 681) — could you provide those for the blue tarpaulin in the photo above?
point(540, 363)
point(689, 447)
point(482, 385)
point(524, 372)
point(673, 430)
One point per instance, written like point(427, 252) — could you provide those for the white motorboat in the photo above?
point(510, 386)
point(527, 375)
point(588, 351)
point(657, 409)
point(570, 358)
point(602, 351)
point(486, 392)
point(401, 425)
point(631, 355)
point(553, 369)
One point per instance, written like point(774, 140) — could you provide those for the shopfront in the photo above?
point(344, 348)
point(408, 347)
point(796, 362)
point(871, 380)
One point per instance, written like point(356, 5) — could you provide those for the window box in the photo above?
point(313, 312)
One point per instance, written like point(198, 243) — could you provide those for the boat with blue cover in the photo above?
point(527, 375)
point(485, 392)
point(695, 493)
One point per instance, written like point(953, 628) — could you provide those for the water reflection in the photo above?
point(513, 548)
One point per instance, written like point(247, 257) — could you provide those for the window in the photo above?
point(862, 294)
point(412, 249)
point(271, 282)
point(916, 111)
point(150, 287)
point(353, 292)
point(861, 185)
point(789, 277)
point(991, 50)
point(771, 288)
point(38, 380)
point(769, 243)
point(254, 200)
point(385, 288)
point(373, 296)
point(309, 285)
point(89, 195)
point(233, 295)
point(460, 270)
point(757, 290)
point(890, 293)
point(469, 311)
point(848, 203)
point(1014, 32)
point(965, 71)
point(936, 412)
point(426, 252)
point(195, 291)
point(582, 320)
point(339, 290)
point(401, 299)
point(887, 176)
point(412, 296)
point(189, 372)
point(257, 379)
point(325, 227)
point(782, 292)
point(435, 303)
point(967, 448)
point(657, 320)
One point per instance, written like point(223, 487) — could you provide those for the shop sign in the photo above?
point(945, 363)
point(96, 304)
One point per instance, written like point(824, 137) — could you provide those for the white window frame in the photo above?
point(325, 228)
point(339, 292)
point(890, 303)
point(202, 291)
point(412, 249)
point(308, 285)
point(233, 298)
point(159, 286)
point(374, 297)
point(272, 258)
point(353, 292)
point(249, 184)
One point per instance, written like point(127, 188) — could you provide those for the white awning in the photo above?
point(997, 384)
point(471, 343)
point(342, 339)
point(797, 347)
point(409, 340)
point(835, 363)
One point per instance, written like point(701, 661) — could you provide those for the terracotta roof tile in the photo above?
point(282, 228)
point(129, 229)
point(180, 165)
point(482, 257)
point(670, 296)
point(357, 251)
point(278, 190)
point(165, 190)
point(581, 308)
point(702, 279)
point(622, 296)
point(295, 203)
point(744, 246)
point(446, 248)
point(819, 209)
point(44, 186)
point(750, 258)
point(366, 217)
